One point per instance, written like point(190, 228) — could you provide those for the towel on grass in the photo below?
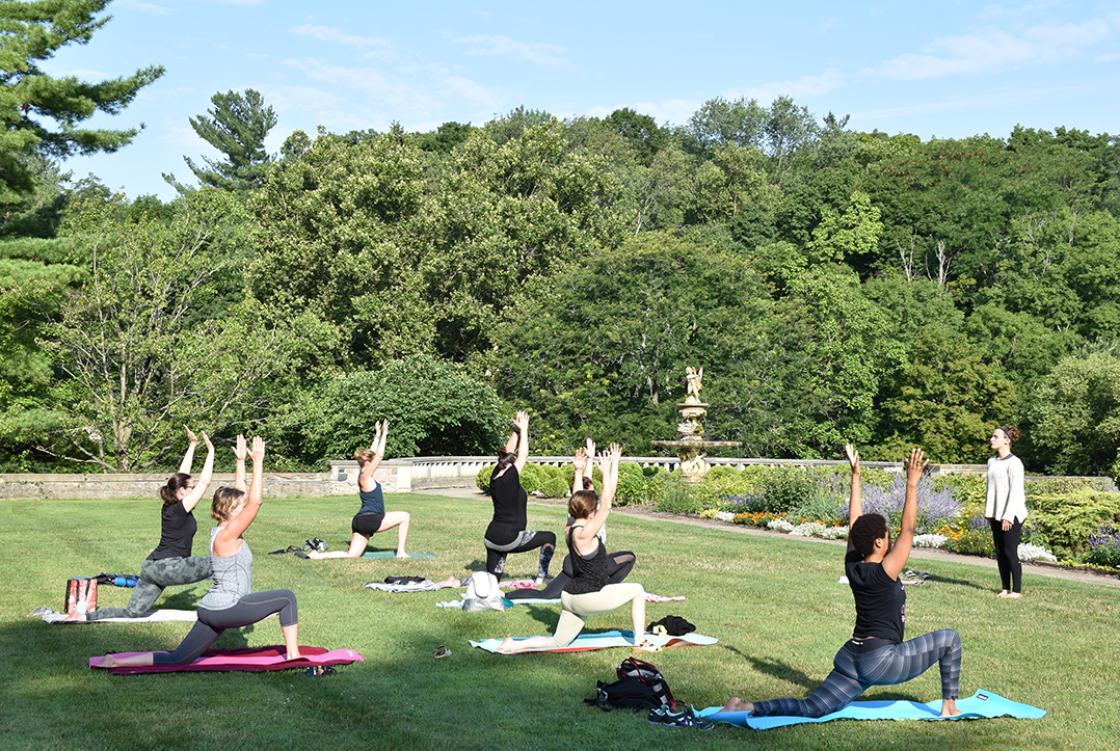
point(981, 705)
point(152, 616)
point(421, 586)
point(252, 659)
point(650, 597)
point(393, 554)
point(608, 639)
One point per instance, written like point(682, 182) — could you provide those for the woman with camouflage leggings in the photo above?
point(171, 562)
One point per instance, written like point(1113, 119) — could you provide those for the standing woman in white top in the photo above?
point(1006, 508)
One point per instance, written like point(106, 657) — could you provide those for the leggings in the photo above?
point(527, 539)
point(211, 623)
point(1007, 553)
point(154, 577)
point(618, 567)
point(856, 669)
point(577, 608)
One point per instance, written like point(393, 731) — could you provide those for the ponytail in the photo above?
point(170, 491)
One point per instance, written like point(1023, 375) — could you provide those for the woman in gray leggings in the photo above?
point(876, 655)
point(230, 603)
point(171, 563)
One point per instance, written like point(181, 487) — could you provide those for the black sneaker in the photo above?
point(685, 718)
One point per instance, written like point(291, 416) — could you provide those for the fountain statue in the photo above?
point(691, 446)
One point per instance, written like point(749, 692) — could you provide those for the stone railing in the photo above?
point(397, 475)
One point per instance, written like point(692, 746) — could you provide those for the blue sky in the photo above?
point(947, 69)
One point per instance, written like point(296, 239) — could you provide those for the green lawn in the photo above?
point(774, 604)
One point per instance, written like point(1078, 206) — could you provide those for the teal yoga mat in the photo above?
point(392, 554)
point(981, 705)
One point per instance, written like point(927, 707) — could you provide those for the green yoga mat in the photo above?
point(981, 705)
point(392, 554)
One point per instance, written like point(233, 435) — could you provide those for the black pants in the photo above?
point(618, 566)
point(525, 541)
point(1007, 553)
point(211, 623)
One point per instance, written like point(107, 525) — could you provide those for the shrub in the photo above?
point(482, 479)
point(672, 494)
point(779, 524)
point(839, 532)
point(632, 485)
point(1067, 520)
point(935, 506)
point(1028, 552)
point(807, 529)
point(968, 490)
point(975, 539)
point(929, 541)
point(1104, 548)
point(533, 477)
point(821, 506)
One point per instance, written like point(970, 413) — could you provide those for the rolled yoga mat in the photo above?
point(981, 705)
point(608, 639)
point(391, 554)
point(252, 660)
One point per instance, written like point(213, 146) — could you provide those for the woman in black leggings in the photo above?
point(506, 532)
point(230, 603)
point(1005, 508)
point(619, 564)
point(876, 655)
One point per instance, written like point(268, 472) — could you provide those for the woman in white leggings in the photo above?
point(589, 593)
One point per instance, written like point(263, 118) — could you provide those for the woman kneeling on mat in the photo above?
point(589, 593)
point(231, 602)
point(619, 564)
point(876, 654)
point(371, 517)
point(506, 532)
point(171, 562)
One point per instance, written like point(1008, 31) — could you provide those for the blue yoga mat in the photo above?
point(981, 705)
point(392, 554)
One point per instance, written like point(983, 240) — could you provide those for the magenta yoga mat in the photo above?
point(253, 660)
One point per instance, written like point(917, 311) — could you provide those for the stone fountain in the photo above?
point(692, 446)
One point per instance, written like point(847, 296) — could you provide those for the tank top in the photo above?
point(233, 576)
point(373, 501)
point(588, 574)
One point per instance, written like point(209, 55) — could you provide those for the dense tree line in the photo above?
point(836, 285)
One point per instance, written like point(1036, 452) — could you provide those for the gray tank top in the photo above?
point(233, 577)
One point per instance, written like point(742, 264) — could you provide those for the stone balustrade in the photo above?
point(397, 476)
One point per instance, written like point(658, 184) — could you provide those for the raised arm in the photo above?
point(380, 436)
point(188, 458)
point(610, 461)
point(236, 526)
point(191, 499)
point(579, 461)
point(855, 500)
point(522, 423)
point(895, 560)
point(240, 451)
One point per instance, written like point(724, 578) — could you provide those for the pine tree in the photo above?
point(237, 126)
point(41, 113)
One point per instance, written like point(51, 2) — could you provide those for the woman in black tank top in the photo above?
point(589, 593)
point(876, 654)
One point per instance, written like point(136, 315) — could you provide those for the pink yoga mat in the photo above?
point(253, 660)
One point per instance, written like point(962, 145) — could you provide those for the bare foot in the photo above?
point(646, 646)
point(735, 704)
point(75, 617)
point(1014, 595)
point(1003, 593)
point(949, 708)
point(293, 655)
point(107, 661)
point(402, 554)
point(506, 647)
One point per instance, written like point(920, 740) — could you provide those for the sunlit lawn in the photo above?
point(774, 604)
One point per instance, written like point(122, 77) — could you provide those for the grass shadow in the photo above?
point(183, 599)
point(777, 669)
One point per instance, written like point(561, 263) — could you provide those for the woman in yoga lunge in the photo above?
point(619, 564)
point(1006, 509)
point(507, 531)
point(171, 562)
point(589, 592)
point(371, 517)
point(876, 655)
point(231, 601)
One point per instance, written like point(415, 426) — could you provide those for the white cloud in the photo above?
point(798, 88)
point(470, 91)
point(399, 96)
point(151, 8)
point(494, 45)
point(993, 50)
point(338, 36)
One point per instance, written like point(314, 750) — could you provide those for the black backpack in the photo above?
point(640, 685)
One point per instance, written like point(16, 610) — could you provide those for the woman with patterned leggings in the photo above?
point(171, 563)
point(231, 601)
point(876, 655)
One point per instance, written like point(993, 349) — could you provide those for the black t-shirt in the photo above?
point(588, 574)
point(509, 500)
point(880, 600)
point(176, 534)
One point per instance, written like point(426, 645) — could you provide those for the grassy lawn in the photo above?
point(773, 603)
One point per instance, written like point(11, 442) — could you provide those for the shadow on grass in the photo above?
point(184, 599)
point(777, 669)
